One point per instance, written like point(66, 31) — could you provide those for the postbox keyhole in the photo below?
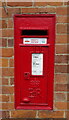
point(26, 75)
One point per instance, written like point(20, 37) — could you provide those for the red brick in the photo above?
point(4, 98)
point(4, 62)
point(55, 3)
point(7, 106)
point(0, 32)
point(66, 3)
point(4, 42)
point(61, 10)
point(61, 78)
point(20, 3)
point(3, 3)
point(11, 63)
point(60, 68)
point(61, 87)
point(67, 28)
point(39, 10)
point(67, 96)
point(0, 114)
point(0, 4)
point(10, 23)
point(7, 32)
point(61, 49)
point(11, 12)
point(68, 87)
point(0, 24)
point(39, 3)
point(7, 72)
point(1, 89)
point(29, 10)
point(5, 81)
point(7, 52)
point(0, 81)
point(5, 114)
point(0, 62)
point(11, 98)
point(0, 72)
point(23, 114)
point(10, 42)
point(62, 28)
point(11, 81)
point(51, 114)
point(7, 89)
point(61, 59)
point(61, 38)
point(0, 12)
point(0, 42)
point(60, 96)
point(61, 105)
point(4, 24)
point(62, 19)
point(67, 115)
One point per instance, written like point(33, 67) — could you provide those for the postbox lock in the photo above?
point(26, 75)
point(26, 100)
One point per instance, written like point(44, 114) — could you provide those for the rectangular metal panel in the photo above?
point(34, 61)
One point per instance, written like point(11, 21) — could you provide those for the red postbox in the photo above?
point(34, 61)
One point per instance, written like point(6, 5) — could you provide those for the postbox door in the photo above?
point(34, 85)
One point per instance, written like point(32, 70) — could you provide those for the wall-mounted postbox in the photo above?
point(34, 61)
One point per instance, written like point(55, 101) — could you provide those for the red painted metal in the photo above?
point(34, 91)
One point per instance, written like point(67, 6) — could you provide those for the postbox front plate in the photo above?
point(34, 61)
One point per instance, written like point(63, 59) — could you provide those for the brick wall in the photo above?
point(61, 85)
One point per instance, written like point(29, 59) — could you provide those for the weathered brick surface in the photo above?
point(61, 19)
point(7, 52)
point(10, 23)
point(38, 3)
point(61, 68)
point(0, 24)
point(10, 42)
point(4, 24)
point(61, 59)
point(11, 12)
point(4, 98)
point(61, 28)
point(8, 72)
point(61, 78)
point(23, 114)
point(61, 83)
point(11, 98)
point(11, 81)
point(61, 49)
point(61, 87)
point(60, 96)
point(51, 114)
point(4, 42)
point(11, 63)
point(7, 106)
point(5, 114)
point(61, 105)
point(38, 10)
point(7, 89)
point(7, 32)
point(4, 62)
point(4, 81)
point(61, 39)
point(20, 3)
point(61, 10)
point(67, 96)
